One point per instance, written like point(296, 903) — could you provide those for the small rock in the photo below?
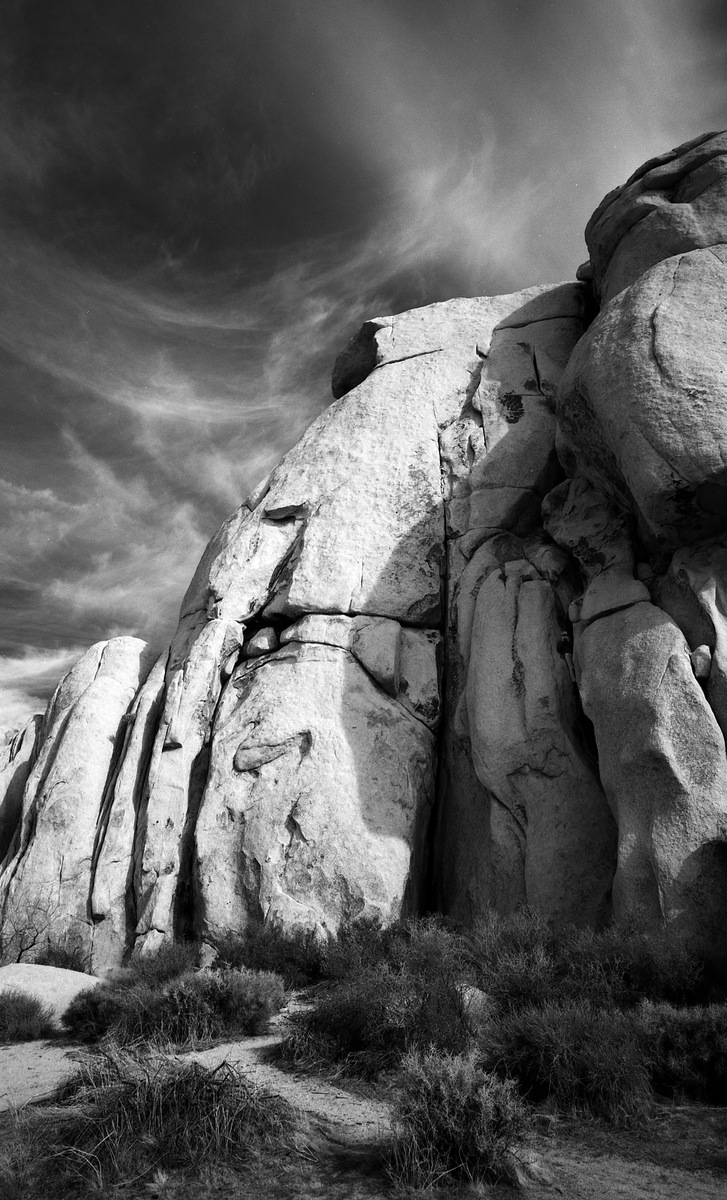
point(265, 641)
point(701, 660)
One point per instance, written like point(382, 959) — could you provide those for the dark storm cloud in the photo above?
point(199, 202)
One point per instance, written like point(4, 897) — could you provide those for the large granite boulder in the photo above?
point(649, 424)
point(674, 203)
point(464, 648)
point(49, 870)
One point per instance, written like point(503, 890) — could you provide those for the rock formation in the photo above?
point(465, 648)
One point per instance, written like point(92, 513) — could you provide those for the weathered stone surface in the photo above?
point(648, 422)
point(16, 763)
point(600, 537)
point(674, 203)
point(420, 674)
point(522, 714)
point(317, 800)
point(265, 641)
point(405, 662)
point(701, 660)
point(503, 435)
point(53, 986)
point(515, 462)
point(464, 323)
point(662, 765)
point(112, 900)
point(352, 521)
point(46, 883)
point(376, 643)
point(176, 777)
point(694, 593)
point(595, 530)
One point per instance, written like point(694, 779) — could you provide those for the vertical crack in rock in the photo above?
point(121, 744)
point(653, 322)
point(187, 890)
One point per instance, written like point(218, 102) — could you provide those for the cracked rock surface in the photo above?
point(464, 648)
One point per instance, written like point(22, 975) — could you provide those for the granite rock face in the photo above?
point(465, 648)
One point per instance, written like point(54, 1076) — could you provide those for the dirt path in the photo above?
point(31, 1071)
point(681, 1153)
point(342, 1117)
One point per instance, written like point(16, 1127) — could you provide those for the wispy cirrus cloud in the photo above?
point(26, 681)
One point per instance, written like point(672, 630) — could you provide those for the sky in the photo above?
point(201, 201)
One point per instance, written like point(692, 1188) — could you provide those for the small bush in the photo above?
point(660, 967)
point(454, 1123)
point(361, 944)
point(69, 955)
point(579, 1057)
point(120, 1120)
point(23, 1018)
point(402, 990)
point(687, 1050)
point(190, 1009)
point(93, 1012)
point(297, 956)
point(168, 962)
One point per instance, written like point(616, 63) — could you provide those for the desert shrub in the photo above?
point(659, 967)
point(452, 1123)
point(522, 961)
point(400, 991)
point(687, 1050)
point(23, 1018)
point(93, 1011)
point(169, 961)
point(578, 1056)
point(121, 1120)
point(296, 955)
point(189, 1009)
point(71, 956)
point(364, 943)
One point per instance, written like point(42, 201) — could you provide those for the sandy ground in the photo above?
point(31, 1071)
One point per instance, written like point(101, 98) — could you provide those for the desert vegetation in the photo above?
point(124, 1119)
point(165, 999)
point(594, 1022)
point(23, 1018)
point(468, 1035)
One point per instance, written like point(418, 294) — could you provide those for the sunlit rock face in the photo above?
point(464, 649)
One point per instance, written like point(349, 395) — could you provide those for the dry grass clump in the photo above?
point(161, 1000)
point(23, 1018)
point(122, 1120)
point(454, 1123)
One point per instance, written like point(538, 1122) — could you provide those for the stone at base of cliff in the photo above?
point(55, 987)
